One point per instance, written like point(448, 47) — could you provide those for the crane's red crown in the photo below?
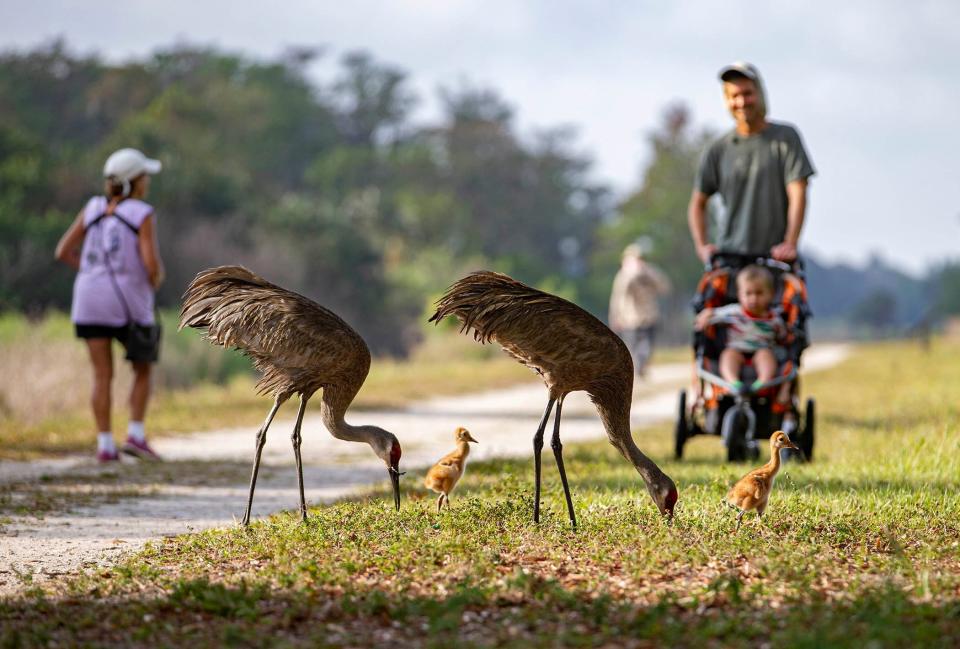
point(395, 453)
point(671, 500)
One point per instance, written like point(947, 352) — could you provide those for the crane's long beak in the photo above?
point(395, 480)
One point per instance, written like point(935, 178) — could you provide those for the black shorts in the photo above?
point(142, 348)
point(101, 331)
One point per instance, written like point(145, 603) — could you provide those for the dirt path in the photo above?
point(204, 482)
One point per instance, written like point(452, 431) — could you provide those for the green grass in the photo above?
point(861, 548)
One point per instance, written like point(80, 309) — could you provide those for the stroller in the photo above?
point(741, 418)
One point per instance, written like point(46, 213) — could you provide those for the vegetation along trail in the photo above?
point(204, 482)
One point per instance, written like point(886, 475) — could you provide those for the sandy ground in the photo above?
point(206, 485)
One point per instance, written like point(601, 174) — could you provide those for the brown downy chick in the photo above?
point(443, 476)
point(753, 490)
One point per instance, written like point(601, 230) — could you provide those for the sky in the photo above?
point(874, 87)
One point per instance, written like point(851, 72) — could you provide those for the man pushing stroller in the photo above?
point(761, 171)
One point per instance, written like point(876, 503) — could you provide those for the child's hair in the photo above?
point(754, 273)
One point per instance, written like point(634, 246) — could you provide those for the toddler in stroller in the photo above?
point(752, 330)
point(748, 344)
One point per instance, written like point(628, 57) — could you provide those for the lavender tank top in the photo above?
point(95, 297)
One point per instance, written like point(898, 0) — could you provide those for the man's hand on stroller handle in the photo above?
point(784, 251)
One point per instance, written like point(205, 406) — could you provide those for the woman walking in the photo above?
point(113, 244)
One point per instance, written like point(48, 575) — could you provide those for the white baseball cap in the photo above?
point(127, 164)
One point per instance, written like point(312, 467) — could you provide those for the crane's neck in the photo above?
point(463, 449)
point(332, 411)
point(774, 464)
point(616, 421)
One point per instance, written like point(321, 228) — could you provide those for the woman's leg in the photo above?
point(136, 443)
point(140, 391)
point(730, 363)
point(101, 357)
point(644, 349)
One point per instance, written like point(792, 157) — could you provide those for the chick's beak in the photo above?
point(470, 439)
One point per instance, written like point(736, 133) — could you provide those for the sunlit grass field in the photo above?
point(44, 390)
point(861, 548)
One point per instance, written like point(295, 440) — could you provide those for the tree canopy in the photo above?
point(332, 189)
point(327, 188)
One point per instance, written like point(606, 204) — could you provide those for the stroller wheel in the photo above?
point(733, 431)
point(680, 434)
point(809, 426)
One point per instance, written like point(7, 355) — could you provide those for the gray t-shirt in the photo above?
point(751, 173)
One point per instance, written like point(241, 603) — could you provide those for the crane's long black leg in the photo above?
point(295, 438)
point(537, 447)
point(558, 454)
point(261, 440)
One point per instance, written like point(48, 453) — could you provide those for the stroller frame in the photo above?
point(742, 417)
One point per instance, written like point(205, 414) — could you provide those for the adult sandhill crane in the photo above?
point(571, 350)
point(299, 346)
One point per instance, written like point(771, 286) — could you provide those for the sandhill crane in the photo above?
point(444, 475)
point(299, 346)
point(752, 490)
point(571, 350)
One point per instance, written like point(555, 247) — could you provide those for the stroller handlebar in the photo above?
point(721, 258)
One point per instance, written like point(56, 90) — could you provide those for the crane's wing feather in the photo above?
point(291, 339)
point(540, 330)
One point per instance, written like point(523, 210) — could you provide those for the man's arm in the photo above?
point(796, 209)
point(697, 220)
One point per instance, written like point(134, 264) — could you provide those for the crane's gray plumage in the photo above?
point(570, 348)
point(299, 347)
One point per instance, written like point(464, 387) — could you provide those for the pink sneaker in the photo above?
point(140, 450)
point(108, 456)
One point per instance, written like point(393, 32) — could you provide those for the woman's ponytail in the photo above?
point(115, 188)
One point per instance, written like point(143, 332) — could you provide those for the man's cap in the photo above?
point(740, 69)
point(127, 164)
point(749, 71)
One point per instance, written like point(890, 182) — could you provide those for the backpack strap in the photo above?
point(127, 223)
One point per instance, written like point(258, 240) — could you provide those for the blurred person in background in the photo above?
point(760, 169)
point(634, 312)
point(112, 244)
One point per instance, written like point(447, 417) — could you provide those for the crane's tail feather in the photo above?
point(489, 302)
point(212, 290)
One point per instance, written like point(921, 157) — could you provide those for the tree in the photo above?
point(657, 212)
point(878, 311)
point(947, 280)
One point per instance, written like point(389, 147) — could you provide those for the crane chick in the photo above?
point(443, 476)
point(752, 490)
